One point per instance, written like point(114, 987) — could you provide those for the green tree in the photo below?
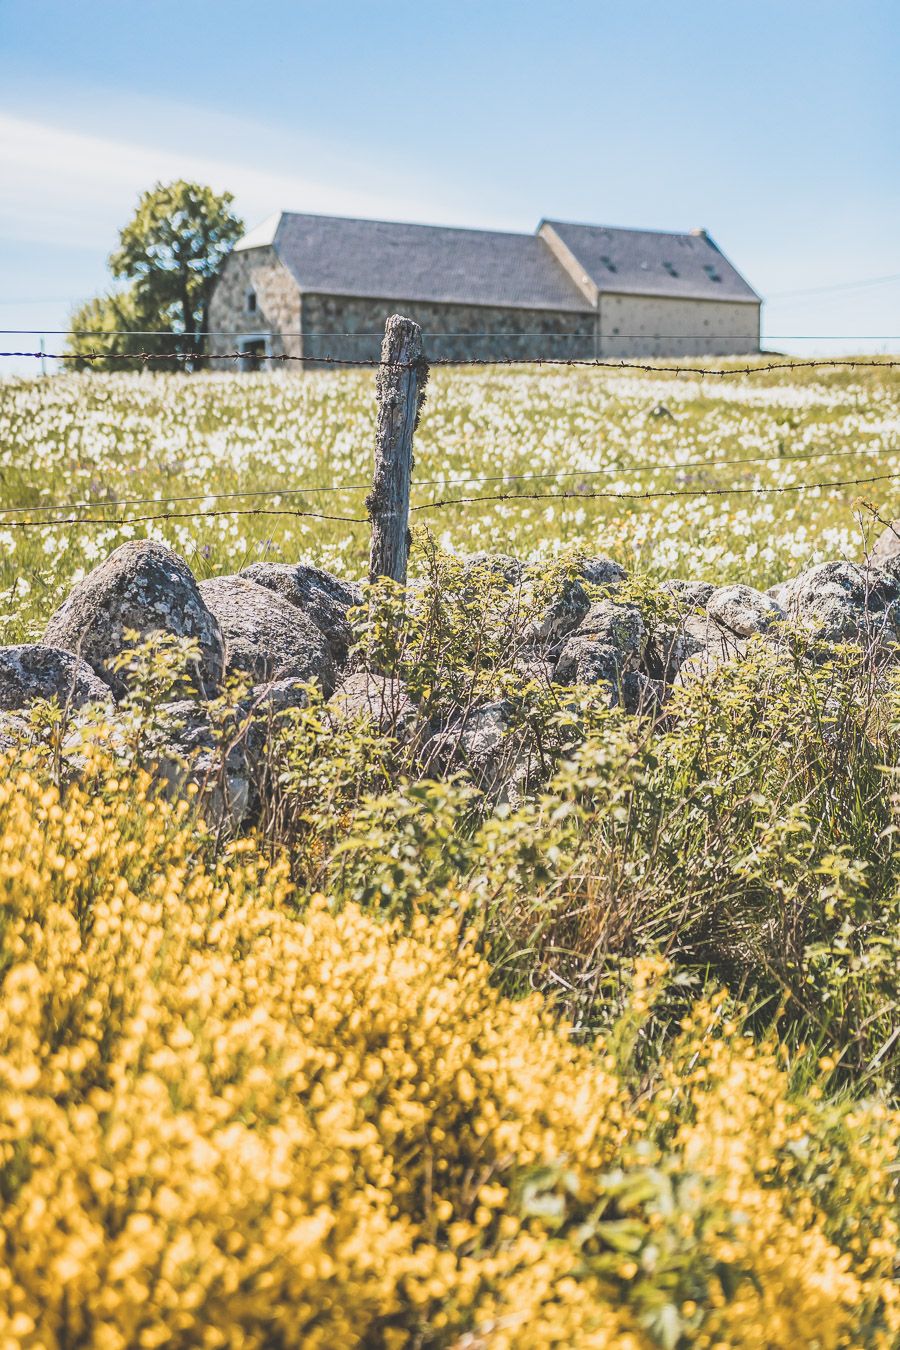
point(170, 251)
point(116, 325)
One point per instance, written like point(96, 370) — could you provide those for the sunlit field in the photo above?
point(602, 1054)
point(107, 440)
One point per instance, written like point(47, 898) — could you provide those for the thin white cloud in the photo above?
point(72, 188)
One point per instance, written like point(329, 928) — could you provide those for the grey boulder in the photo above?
point(562, 613)
point(223, 764)
point(666, 650)
point(14, 732)
point(323, 598)
point(618, 625)
point(266, 637)
point(608, 645)
point(381, 699)
point(842, 602)
point(144, 587)
point(270, 700)
point(586, 661)
point(494, 566)
point(887, 546)
point(743, 611)
point(600, 571)
point(688, 596)
point(33, 672)
point(706, 660)
point(484, 742)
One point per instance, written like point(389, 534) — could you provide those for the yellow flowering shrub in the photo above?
point(228, 1119)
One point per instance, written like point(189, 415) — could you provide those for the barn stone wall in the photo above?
point(448, 329)
point(348, 327)
point(277, 314)
point(636, 325)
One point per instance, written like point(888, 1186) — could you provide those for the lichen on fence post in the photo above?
point(400, 386)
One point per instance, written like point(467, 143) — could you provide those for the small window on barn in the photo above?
point(250, 301)
point(671, 269)
point(711, 272)
point(608, 263)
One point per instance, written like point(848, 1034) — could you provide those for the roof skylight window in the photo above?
point(671, 269)
point(608, 263)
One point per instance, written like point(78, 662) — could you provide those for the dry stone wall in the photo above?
point(286, 632)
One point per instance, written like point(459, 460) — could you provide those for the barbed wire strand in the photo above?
point(655, 493)
point(184, 515)
point(444, 503)
point(247, 335)
point(608, 363)
point(606, 471)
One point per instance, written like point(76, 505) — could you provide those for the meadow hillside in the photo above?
point(108, 439)
point(597, 1048)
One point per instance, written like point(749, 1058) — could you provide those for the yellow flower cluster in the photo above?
point(228, 1122)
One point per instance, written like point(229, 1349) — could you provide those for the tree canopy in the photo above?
point(170, 253)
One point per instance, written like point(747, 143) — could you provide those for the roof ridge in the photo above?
point(412, 224)
point(627, 229)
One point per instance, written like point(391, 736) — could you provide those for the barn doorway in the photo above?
point(253, 351)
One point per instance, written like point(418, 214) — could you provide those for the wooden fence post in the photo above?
point(400, 386)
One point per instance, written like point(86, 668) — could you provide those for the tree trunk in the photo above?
point(202, 339)
point(190, 337)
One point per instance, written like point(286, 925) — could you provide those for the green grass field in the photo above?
point(109, 439)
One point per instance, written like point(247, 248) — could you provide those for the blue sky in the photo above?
point(774, 124)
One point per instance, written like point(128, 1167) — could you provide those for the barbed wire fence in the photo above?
point(69, 514)
point(439, 505)
point(597, 363)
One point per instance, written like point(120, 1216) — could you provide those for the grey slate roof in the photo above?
point(649, 262)
point(376, 259)
point(332, 255)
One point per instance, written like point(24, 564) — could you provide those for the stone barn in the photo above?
point(319, 286)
